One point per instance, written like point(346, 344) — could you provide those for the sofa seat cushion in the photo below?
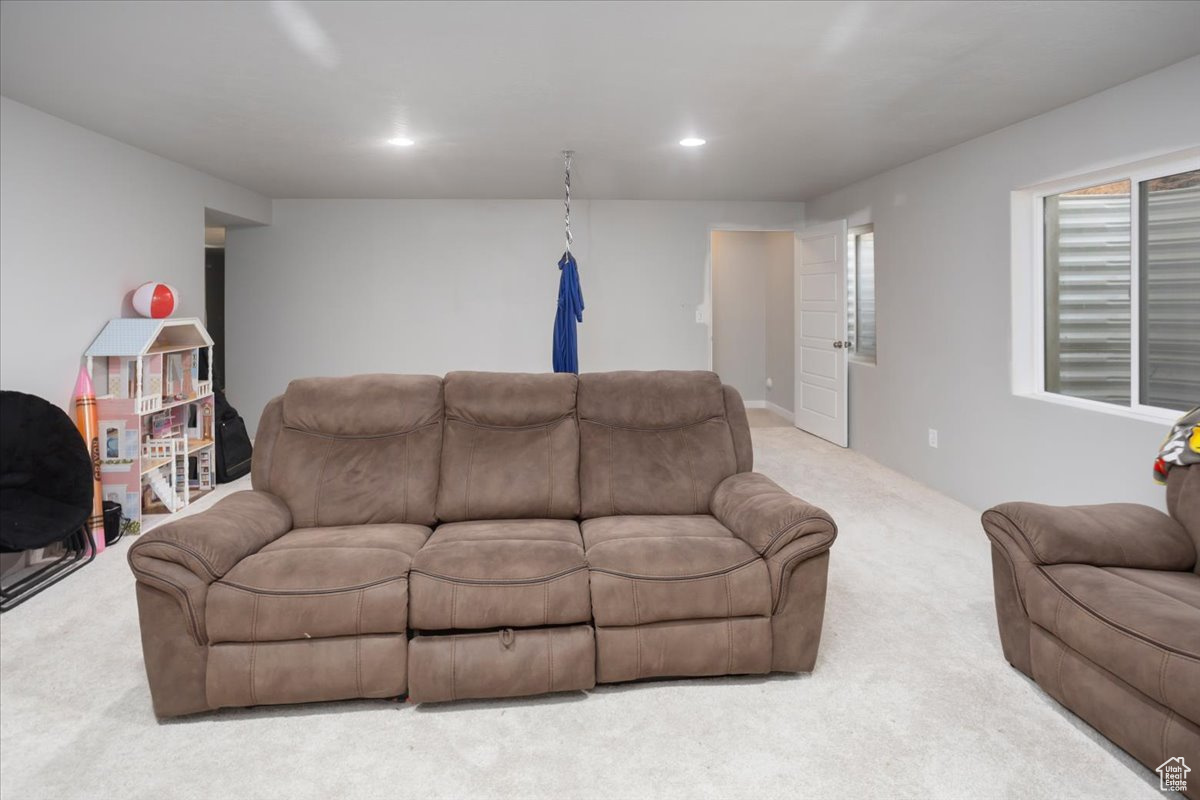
point(660, 568)
point(317, 582)
point(500, 573)
point(1141, 625)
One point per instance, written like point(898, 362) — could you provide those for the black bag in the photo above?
point(233, 443)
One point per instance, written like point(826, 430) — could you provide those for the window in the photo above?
point(860, 293)
point(1121, 290)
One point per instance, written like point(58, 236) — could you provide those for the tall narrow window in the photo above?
point(1170, 291)
point(1087, 293)
point(1121, 272)
point(860, 293)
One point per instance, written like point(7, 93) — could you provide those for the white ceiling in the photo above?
point(297, 99)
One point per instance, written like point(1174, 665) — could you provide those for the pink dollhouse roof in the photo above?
point(135, 337)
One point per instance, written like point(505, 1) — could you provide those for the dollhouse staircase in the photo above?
point(156, 419)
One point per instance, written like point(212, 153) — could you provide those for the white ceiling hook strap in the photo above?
point(567, 156)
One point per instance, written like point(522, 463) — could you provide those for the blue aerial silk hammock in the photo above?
point(570, 311)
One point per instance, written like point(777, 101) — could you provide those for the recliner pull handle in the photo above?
point(507, 637)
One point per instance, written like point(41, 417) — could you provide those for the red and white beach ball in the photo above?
point(155, 300)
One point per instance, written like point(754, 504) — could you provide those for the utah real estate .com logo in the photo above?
point(1172, 775)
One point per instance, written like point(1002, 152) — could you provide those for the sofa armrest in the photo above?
point(1111, 535)
point(182, 558)
point(769, 518)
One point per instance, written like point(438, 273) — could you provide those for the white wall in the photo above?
point(739, 311)
point(336, 287)
point(752, 313)
point(85, 220)
point(781, 312)
point(942, 259)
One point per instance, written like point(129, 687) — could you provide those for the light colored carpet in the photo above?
point(911, 697)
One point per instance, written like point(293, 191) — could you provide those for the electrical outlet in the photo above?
point(699, 315)
point(933, 437)
point(770, 383)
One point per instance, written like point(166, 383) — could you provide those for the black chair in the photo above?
point(46, 488)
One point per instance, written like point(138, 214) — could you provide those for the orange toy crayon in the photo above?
point(88, 423)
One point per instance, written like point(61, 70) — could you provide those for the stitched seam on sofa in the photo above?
point(698, 576)
point(550, 659)
point(470, 466)
point(331, 590)
point(390, 435)
point(550, 473)
point(270, 462)
point(1006, 523)
point(453, 610)
point(1112, 571)
point(1127, 632)
point(253, 652)
point(637, 607)
point(1127, 579)
point(1012, 571)
point(612, 477)
point(358, 666)
point(407, 473)
point(672, 537)
point(798, 523)
point(1058, 616)
point(1041, 558)
point(1162, 672)
point(358, 645)
point(209, 568)
point(183, 599)
point(320, 486)
point(531, 427)
point(664, 429)
point(1164, 753)
point(729, 646)
point(691, 471)
point(637, 632)
point(546, 603)
point(785, 574)
point(436, 545)
point(326, 548)
point(498, 581)
point(1062, 654)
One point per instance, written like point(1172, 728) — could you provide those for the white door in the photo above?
point(821, 332)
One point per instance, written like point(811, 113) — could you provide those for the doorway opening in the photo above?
point(214, 298)
point(751, 332)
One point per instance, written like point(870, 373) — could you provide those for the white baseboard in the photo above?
point(769, 406)
point(780, 411)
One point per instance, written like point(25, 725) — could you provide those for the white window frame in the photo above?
point(853, 233)
point(1028, 282)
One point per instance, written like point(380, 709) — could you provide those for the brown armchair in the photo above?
point(1100, 605)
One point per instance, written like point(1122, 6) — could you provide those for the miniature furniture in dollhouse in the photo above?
point(45, 492)
point(156, 416)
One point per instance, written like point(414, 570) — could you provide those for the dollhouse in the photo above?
point(156, 413)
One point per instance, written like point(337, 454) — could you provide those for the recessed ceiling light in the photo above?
point(691, 141)
point(401, 141)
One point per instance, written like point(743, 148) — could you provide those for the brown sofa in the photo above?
point(485, 535)
point(1100, 605)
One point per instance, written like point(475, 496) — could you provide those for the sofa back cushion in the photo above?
point(652, 442)
point(353, 451)
point(511, 447)
point(1183, 501)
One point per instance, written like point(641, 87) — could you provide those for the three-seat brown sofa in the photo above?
point(484, 535)
point(1100, 605)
